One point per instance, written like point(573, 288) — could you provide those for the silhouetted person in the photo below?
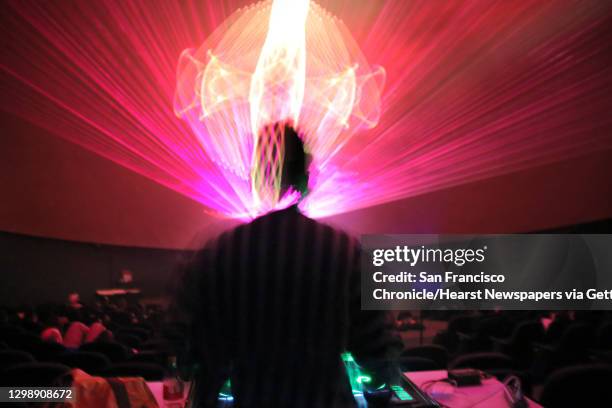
point(74, 301)
point(272, 305)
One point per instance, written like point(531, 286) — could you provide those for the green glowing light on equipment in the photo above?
point(226, 391)
point(347, 357)
point(364, 379)
point(355, 375)
point(357, 378)
point(401, 393)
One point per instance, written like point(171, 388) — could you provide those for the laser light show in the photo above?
point(306, 203)
point(273, 62)
point(393, 99)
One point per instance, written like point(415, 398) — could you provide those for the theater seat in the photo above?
point(140, 333)
point(151, 356)
point(578, 386)
point(90, 362)
point(437, 354)
point(519, 345)
point(577, 337)
point(7, 332)
point(150, 372)
point(482, 361)
point(156, 345)
point(128, 340)
point(10, 358)
point(23, 341)
point(115, 352)
point(47, 351)
point(572, 348)
point(449, 338)
point(36, 375)
point(416, 364)
point(480, 338)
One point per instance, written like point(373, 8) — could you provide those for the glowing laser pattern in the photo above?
point(281, 61)
point(473, 90)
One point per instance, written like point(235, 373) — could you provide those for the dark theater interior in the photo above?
point(195, 195)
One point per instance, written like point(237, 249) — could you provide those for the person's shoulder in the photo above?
point(338, 233)
point(288, 214)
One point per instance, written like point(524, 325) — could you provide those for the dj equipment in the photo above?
point(404, 393)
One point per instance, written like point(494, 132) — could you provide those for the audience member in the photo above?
point(74, 301)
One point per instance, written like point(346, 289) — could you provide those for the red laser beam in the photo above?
point(474, 90)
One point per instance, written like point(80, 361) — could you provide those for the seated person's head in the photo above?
point(126, 276)
point(74, 299)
